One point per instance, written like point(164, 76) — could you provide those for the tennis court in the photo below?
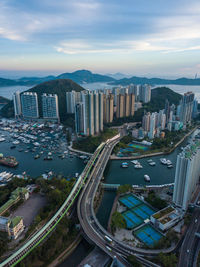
point(139, 212)
point(148, 235)
point(131, 219)
point(147, 210)
point(130, 201)
point(137, 146)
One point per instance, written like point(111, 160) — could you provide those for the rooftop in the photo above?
point(15, 221)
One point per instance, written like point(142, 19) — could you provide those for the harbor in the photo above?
point(39, 150)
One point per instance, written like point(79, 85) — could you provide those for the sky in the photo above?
point(137, 37)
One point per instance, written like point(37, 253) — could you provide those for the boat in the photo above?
point(163, 161)
point(152, 163)
point(16, 142)
point(149, 160)
point(147, 178)
point(135, 162)
point(76, 174)
point(124, 165)
point(170, 166)
point(2, 139)
point(37, 156)
point(12, 147)
point(9, 161)
point(50, 154)
point(48, 158)
point(138, 166)
point(168, 162)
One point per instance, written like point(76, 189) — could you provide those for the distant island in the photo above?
point(155, 81)
point(79, 76)
point(59, 87)
point(86, 76)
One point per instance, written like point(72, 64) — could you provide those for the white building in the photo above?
point(145, 93)
point(72, 98)
point(50, 106)
point(29, 102)
point(187, 174)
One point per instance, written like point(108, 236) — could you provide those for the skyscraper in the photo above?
point(79, 118)
point(120, 106)
point(152, 126)
point(50, 106)
point(146, 122)
point(92, 112)
point(108, 108)
point(17, 104)
point(72, 98)
point(187, 174)
point(145, 93)
point(187, 103)
point(29, 102)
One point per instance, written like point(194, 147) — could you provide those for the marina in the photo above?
point(35, 142)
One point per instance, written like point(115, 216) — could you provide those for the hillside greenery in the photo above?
point(59, 87)
point(90, 143)
point(117, 221)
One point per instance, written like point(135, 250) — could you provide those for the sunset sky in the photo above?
point(138, 37)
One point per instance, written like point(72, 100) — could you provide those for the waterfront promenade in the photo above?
point(114, 157)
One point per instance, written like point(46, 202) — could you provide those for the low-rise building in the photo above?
point(12, 226)
point(166, 218)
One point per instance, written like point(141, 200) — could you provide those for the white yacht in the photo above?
point(16, 142)
point(2, 139)
point(147, 178)
point(152, 163)
point(138, 166)
point(124, 165)
point(135, 162)
point(163, 161)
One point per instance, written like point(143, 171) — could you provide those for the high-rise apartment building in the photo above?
point(146, 122)
point(187, 174)
point(145, 93)
point(92, 112)
point(79, 118)
point(50, 106)
point(17, 104)
point(186, 103)
point(152, 126)
point(108, 108)
point(29, 102)
point(72, 98)
point(120, 106)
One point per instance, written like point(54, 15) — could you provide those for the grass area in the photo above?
point(90, 143)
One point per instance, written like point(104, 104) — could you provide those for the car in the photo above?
point(195, 220)
point(188, 250)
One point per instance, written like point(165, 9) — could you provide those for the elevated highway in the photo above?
point(43, 233)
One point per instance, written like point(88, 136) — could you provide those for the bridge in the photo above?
point(44, 232)
point(110, 186)
point(91, 226)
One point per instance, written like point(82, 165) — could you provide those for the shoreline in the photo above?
point(112, 157)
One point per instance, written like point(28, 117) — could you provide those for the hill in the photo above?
point(59, 87)
point(156, 81)
point(85, 76)
point(4, 100)
point(79, 76)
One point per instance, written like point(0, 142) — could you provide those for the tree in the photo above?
point(124, 188)
point(133, 260)
point(117, 221)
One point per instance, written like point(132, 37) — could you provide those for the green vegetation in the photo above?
point(133, 260)
point(158, 97)
point(122, 189)
point(123, 143)
point(117, 221)
point(166, 241)
point(163, 212)
point(155, 201)
point(90, 143)
point(166, 260)
point(59, 87)
point(59, 240)
point(187, 219)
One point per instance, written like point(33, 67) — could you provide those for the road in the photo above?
point(90, 225)
point(45, 231)
point(190, 242)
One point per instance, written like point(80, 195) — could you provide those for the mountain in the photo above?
point(79, 76)
point(156, 81)
point(118, 75)
point(59, 87)
point(85, 76)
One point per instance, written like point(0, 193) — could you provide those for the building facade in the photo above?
point(17, 104)
point(29, 103)
point(50, 106)
point(187, 174)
